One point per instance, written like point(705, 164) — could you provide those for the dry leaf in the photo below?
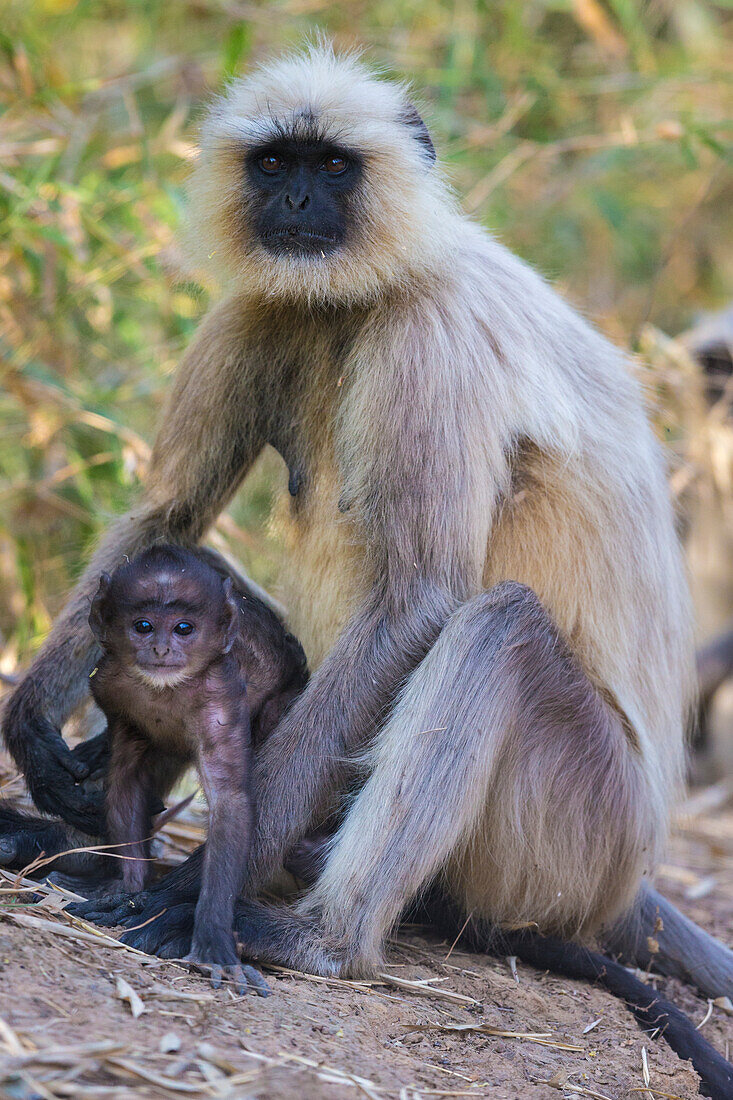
point(126, 993)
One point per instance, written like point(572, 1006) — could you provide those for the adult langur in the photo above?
point(482, 561)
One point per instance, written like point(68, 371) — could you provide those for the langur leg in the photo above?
point(500, 766)
point(225, 767)
point(308, 858)
point(135, 784)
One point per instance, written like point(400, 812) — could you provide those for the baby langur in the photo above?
point(192, 672)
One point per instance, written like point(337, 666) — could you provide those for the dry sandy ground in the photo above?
point(66, 1031)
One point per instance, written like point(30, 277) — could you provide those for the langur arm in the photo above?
point(209, 437)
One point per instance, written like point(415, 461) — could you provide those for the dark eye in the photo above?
point(143, 626)
point(335, 165)
point(271, 163)
point(184, 629)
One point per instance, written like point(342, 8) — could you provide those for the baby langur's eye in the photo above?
point(143, 626)
point(271, 163)
point(184, 629)
point(335, 165)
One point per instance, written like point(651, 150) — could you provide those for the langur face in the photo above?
point(314, 184)
point(299, 194)
point(162, 627)
point(165, 643)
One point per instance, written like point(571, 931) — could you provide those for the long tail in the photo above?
point(571, 960)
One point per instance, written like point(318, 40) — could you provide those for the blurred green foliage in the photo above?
point(591, 135)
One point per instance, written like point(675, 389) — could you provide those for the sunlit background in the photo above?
point(593, 136)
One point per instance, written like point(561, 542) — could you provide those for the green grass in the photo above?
point(591, 137)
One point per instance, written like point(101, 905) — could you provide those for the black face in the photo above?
point(300, 195)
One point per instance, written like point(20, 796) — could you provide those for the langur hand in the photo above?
point(94, 752)
point(52, 772)
point(110, 909)
point(168, 931)
point(155, 917)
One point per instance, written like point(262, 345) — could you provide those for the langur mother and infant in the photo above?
point(482, 569)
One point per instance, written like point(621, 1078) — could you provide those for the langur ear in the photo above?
point(97, 612)
point(231, 613)
point(419, 131)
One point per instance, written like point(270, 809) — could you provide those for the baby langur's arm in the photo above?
point(224, 761)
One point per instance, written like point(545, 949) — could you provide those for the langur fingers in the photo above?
point(255, 980)
point(9, 851)
point(59, 793)
point(111, 910)
point(241, 976)
point(63, 756)
point(163, 932)
point(93, 755)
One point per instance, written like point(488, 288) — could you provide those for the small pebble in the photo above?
point(170, 1043)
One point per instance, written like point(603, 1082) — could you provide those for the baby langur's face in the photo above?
point(166, 629)
point(168, 644)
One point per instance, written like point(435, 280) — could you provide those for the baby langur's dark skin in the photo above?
point(192, 672)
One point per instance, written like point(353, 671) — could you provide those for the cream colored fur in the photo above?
point(558, 483)
point(402, 225)
point(460, 426)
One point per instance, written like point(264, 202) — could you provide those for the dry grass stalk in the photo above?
point(561, 1082)
point(9, 1038)
point(340, 1075)
point(422, 986)
point(645, 1072)
point(455, 941)
point(171, 1084)
point(656, 1092)
point(323, 1072)
point(544, 1038)
point(85, 934)
point(67, 1055)
point(126, 993)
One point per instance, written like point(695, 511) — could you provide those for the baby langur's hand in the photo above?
point(214, 951)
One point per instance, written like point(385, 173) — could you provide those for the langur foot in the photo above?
point(10, 852)
point(24, 837)
point(175, 892)
point(242, 976)
point(168, 935)
point(277, 934)
point(214, 951)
